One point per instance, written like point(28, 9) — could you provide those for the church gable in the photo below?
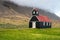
point(34, 18)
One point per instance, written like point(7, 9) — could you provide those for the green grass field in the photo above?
point(30, 34)
point(15, 31)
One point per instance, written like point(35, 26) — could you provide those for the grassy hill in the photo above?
point(30, 34)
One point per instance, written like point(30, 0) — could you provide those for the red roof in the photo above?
point(43, 18)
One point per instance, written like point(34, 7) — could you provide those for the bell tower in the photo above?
point(35, 12)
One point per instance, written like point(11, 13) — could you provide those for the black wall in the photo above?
point(34, 18)
point(30, 24)
point(40, 25)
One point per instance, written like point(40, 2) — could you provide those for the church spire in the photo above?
point(35, 12)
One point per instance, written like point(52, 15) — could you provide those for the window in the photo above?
point(47, 24)
point(33, 12)
point(43, 23)
point(36, 12)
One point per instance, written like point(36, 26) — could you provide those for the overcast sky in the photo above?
point(51, 5)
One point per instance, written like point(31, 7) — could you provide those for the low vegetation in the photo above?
point(55, 24)
point(11, 26)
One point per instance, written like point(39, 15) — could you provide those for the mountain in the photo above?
point(7, 6)
point(17, 14)
point(27, 10)
point(7, 11)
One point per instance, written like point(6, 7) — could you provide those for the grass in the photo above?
point(30, 34)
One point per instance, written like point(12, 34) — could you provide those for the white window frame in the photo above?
point(43, 23)
point(37, 12)
point(33, 12)
point(47, 24)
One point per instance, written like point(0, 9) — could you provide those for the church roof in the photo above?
point(43, 18)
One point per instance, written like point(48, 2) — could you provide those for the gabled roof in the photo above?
point(43, 18)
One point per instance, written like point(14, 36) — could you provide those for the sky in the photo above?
point(49, 5)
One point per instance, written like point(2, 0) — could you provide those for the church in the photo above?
point(39, 21)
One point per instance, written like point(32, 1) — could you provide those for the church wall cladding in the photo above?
point(40, 25)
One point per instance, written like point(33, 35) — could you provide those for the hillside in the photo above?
point(12, 13)
point(27, 11)
point(18, 10)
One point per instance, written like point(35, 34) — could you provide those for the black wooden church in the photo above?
point(39, 21)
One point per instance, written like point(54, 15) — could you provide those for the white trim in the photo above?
point(33, 24)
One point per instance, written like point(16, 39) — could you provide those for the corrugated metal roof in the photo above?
point(43, 18)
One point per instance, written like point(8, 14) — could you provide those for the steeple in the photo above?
point(35, 12)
